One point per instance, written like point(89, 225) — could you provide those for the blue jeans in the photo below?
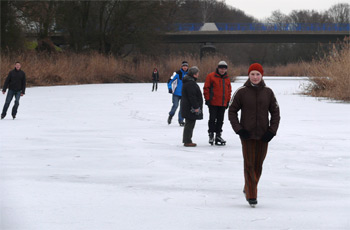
point(176, 101)
point(10, 95)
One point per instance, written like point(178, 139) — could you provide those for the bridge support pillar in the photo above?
point(207, 49)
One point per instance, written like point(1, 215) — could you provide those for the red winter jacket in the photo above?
point(217, 89)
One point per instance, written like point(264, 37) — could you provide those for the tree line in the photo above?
point(129, 28)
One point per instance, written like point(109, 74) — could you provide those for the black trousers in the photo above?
point(216, 118)
point(188, 131)
point(155, 85)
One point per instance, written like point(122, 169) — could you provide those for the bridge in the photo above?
point(257, 33)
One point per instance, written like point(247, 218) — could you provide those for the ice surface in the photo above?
point(103, 157)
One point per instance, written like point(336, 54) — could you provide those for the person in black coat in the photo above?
point(191, 104)
point(155, 79)
point(16, 83)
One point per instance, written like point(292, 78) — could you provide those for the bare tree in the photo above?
point(40, 14)
point(12, 35)
point(277, 17)
point(73, 17)
point(339, 13)
point(207, 9)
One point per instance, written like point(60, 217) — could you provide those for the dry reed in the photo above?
point(66, 68)
point(331, 74)
point(70, 68)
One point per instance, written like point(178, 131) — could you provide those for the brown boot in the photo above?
point(190, 144)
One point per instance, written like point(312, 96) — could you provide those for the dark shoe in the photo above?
point(190, 144)
point(3, 116)
point(169, 119)
point(252, 202)
point(182, 123)
point(14, 117)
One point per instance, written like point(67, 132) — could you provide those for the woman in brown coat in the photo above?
point(255, 129)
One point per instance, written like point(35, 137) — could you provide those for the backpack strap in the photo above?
point(180, 74)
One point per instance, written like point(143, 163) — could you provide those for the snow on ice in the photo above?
point(103, 157)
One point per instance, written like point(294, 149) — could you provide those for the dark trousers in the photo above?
point(254, 153)
point(188, 130)
point(155, 85)
point(216, 118)
point(10, 95)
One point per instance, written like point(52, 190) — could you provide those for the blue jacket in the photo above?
point(178, 78)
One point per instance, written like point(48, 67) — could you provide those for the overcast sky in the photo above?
point(261, 9)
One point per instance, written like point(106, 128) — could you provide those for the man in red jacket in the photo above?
point(217, 94)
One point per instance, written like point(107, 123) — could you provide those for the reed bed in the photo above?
point(330, 75)
point(68, 68)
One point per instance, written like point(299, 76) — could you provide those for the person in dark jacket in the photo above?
point(256, 102)
point(16, 83)
point(191, 104)
point(155, 79)
point(217, 94)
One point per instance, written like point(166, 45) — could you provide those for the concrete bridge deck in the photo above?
point(255, 36)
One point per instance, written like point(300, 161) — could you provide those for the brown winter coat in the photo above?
point(255, 103)
point(217, 89)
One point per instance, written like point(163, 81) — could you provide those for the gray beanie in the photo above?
point(222, 64)
point(193, 70)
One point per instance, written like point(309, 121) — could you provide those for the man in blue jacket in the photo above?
point(175, 87)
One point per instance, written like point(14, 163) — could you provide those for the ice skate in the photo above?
point(211, 138)
point(219, 140)
point(169, 119)
point(252, 202)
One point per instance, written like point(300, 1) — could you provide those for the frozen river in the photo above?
point(103, 157)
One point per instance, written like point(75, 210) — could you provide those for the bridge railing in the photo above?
point(186, 26)
point(266, 26)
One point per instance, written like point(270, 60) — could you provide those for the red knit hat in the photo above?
point(257, 67)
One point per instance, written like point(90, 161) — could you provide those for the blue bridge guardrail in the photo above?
point(333, 27)
point(187, 26)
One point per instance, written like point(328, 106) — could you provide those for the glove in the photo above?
point(243, 134)
point(207, 102)
point(170, 90)
point(194, 111)
point(267, 137)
